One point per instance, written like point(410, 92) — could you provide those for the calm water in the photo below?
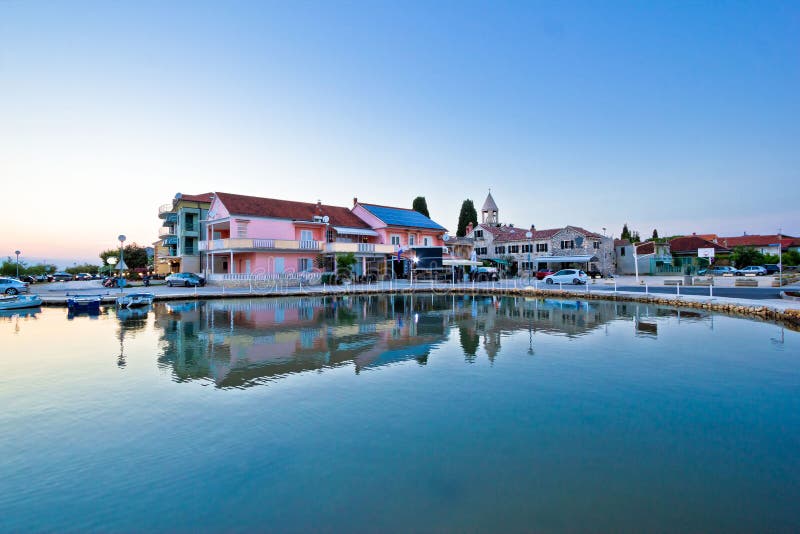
point(398, 414)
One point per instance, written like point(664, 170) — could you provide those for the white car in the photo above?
point(757, 270)
point(12, 286)
point(567, 276)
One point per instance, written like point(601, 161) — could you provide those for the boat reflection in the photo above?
point(243, 342)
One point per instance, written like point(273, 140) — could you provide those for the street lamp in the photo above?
point(17, 252)
point(121, 238)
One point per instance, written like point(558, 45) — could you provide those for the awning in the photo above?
point(564, 259)
point(341, 230)
point(498, 260)
point(458, 261)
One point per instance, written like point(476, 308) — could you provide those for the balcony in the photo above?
point(164, 209)
point(259, 244)
point(194, 227)
point(359, 248)
point(166, 231)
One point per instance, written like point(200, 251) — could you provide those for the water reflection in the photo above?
point(239, 343)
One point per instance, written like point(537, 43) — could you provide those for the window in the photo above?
point(331, 235)
point(426, 241)
point(306, 235)
point(305, 265)
point(478, 234)
point(526, 265)
point(596, 245)
point(527, 248)
point(481, 251)
point(500, 250)
point(621, 251)
point(241, 229)
point(513, 249)
point(568, 244)
point(412, 240)
point(395, 239)
point(541, 247)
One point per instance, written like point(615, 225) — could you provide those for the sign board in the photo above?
point(705, 253)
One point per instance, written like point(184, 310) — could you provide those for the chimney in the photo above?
point(355, 201)
point(319, 206)
point(533, 228)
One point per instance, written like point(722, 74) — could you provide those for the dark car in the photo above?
point(44, 278)
point(541, 273)
point(771, 268)
point(185, 279)
point(594, 273)
point(61, 277)
point(84, 276)
point(27, 279)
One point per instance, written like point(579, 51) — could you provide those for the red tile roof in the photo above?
point(511, 233)
point(203, 197)
point(288, 209)
point(755, 241)
point(622, 242)
point(648, 247)
point(692, 243)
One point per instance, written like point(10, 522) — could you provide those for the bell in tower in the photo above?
point(489, 211)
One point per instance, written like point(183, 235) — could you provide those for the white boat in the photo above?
point(17, 302)
point(135, 300)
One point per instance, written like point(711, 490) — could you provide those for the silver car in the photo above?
point(12, 286)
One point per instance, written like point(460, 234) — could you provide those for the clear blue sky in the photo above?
point(683, 116)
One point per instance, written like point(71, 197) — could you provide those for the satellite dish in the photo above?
point(445, 236)
point(325, 219)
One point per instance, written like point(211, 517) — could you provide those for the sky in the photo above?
point(678, 116)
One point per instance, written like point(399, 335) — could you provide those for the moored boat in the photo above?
point(135, 300)
point(17, 302)
point(84, 302)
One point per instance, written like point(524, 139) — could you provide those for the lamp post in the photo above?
point(121, 238)
point(17, 252)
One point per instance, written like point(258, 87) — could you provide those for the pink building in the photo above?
point(247, 235)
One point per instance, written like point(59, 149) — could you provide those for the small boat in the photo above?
point(17, 302)
point(135, 300)
point(84, 302)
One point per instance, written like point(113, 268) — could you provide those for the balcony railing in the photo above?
point(364, 248)
point(165, 231)
point(259, 244)
point(164, 208)
point(194, 227)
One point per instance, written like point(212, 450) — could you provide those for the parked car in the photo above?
point(185, 279)
point(27, 279)
point(84, 276)
point(43, 278)
point(541, 273)
point(567, 276)
point(771, 268)
point(717, 271)
point(61, 276)
point(485, 274)
point(12, 286)
point(757, 270)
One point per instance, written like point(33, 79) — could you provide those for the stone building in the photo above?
point(526, 250)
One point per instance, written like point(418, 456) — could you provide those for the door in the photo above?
point(279, 265)
point(247, 266)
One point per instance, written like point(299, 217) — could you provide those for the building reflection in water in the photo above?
point(239, 343)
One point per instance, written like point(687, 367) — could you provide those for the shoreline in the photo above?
point(783, 311)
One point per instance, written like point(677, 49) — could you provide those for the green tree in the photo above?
point(634, 237)
point(84, 268)
point(626, 234)
point(9, 267)
point(468, 215)
point(344, 264)
point(655, 234)
point(40, 268)
point(135, 256)
point(743, 257)
point(421, 206)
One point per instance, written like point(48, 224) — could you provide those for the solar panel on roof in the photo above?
point(401, 217)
